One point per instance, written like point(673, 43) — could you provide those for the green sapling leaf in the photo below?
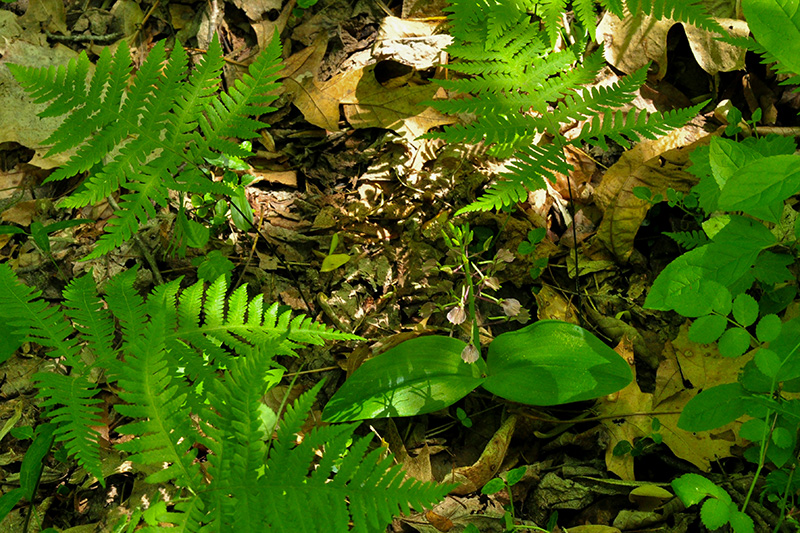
point(776, 26)
point(734, 342)
point(768, 328)
point(745, 310)
point(693, 488)
point(707, 329)
point(741, 523)
point(514, 476)
point(754, 430)
point(714, 408)
point(760, 188)
point(782, 438)
point(768, 362)
point(493, 486)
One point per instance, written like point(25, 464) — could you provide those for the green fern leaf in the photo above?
point(156, 132)
point(32, 318)
point(157, 400)
point(688, 239)
point(534, 164)
point(364, 487)
point(690, 11)
point(624, 128)
point(71, 400)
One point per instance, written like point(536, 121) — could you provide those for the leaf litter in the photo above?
point(346, 163)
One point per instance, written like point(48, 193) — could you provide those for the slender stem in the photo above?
point(476, 338)
point(762, 458)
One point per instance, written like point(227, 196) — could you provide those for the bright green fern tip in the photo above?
point(522, 91)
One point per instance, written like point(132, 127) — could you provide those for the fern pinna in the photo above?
point(522, 90)
point(191, 367)
point(153, 136)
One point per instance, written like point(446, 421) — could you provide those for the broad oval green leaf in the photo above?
point(713, 408)
point(552, 362)
point(419, 376)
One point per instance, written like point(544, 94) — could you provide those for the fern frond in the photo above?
point(551, 12)
point(690, 11)
point(157, 401)
point(70, 401)
point(624, 128)
point(34, 319)
point(688, 239)
point(94, 323)
point(534, 164)
point(593, 100)
point(362, 487)
point(160, 128)
point(238, 442)
point(586, 15)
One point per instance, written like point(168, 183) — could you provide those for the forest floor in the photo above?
point(351, 207)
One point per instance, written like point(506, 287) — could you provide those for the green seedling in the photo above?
point(463, 418)
point(41, 233)
point(496, 485)
point(718, 509)
point(535, 236)
point(639, 446)
point(332, 260)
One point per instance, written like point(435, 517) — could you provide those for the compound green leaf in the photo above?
point(707, 329)
point(760, 188)
point(691, 284)
point(713, 408)
point(787, 346)
point(734, 342)
point(776, 26)
point(419, 376)
point(552, 362)
point(745, 309)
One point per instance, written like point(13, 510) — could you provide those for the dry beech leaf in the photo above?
point(658, 165)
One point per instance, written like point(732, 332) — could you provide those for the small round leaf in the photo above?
point(741, 523)
point(715, 513)
point(745, 309)
point(707, 329)
point(753, 430)
point(734, 342)
point(768, 328)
